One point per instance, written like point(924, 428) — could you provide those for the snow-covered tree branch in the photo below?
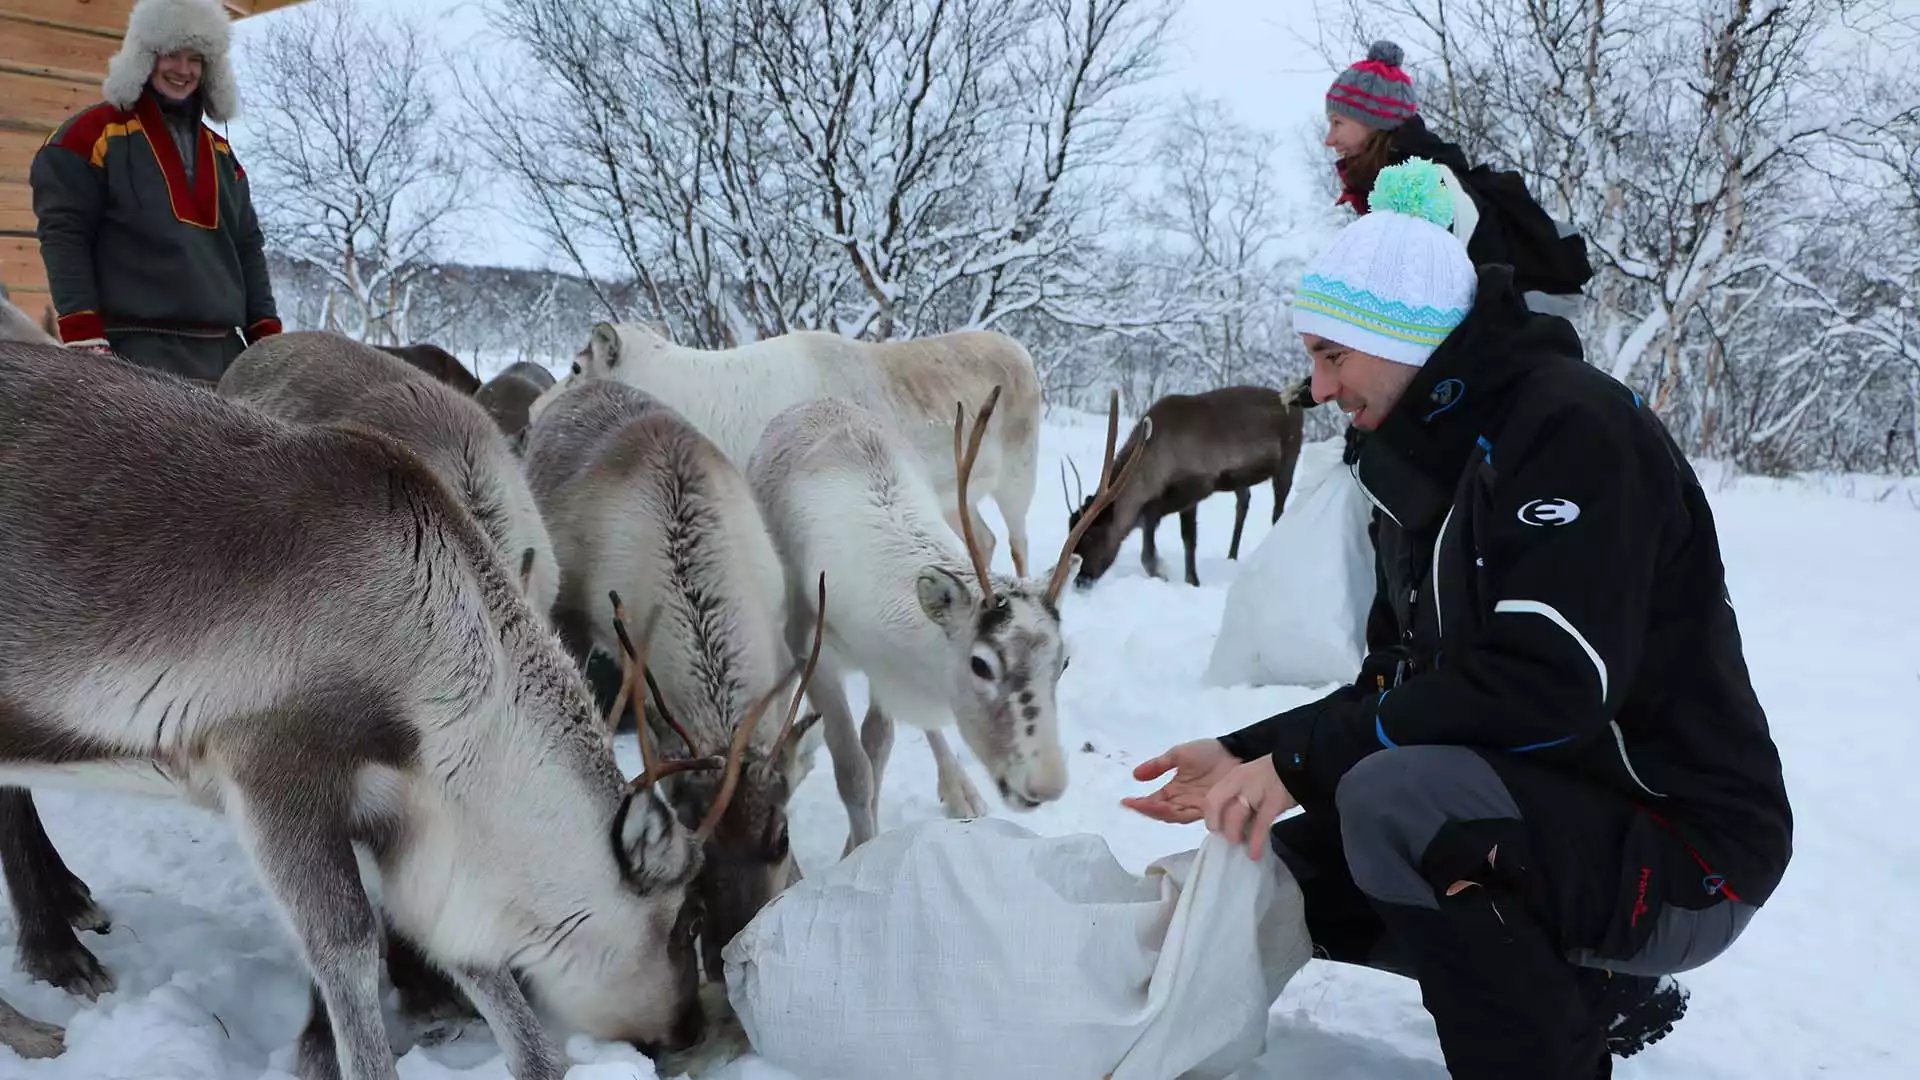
point(355, 168)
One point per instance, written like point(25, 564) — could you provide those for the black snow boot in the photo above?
point(1639, 1010)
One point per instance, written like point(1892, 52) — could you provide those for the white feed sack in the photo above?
point(1296, 613)
point(969, 950)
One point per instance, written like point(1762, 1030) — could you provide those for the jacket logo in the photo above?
point(1549, 512)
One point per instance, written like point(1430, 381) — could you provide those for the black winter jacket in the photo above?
point(1550, 584)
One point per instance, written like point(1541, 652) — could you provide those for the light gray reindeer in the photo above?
point(303, 630)
point(1226, 439)
point(843, 494)
point(641, 504)
point(316, 377)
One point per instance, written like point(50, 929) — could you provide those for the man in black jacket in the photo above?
point(1551, 785)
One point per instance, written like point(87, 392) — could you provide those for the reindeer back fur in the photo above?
point(314, 377)
point(640, 502)
point(311, 599)
point(17, 325)
point(732, 395)
point(841, 495)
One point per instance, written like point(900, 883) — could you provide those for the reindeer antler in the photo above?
point(731, 778)
point(659, 699)
point(962, 467)
point(1110, 486)
point(635, 659)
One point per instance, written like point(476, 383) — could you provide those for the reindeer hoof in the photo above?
point(83, 914)
point(67, 965)
point(29, 1037)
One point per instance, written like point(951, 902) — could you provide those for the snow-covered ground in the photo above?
point(1825, 981)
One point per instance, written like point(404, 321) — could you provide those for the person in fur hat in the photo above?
point(145, 221)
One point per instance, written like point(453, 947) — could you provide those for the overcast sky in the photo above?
point(1256, 55)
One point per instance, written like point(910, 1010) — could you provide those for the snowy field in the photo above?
point(1824, 983)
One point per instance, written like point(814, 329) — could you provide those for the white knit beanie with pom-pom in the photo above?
point(1396, 281)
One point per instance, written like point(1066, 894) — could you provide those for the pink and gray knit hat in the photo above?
point(1376, 91)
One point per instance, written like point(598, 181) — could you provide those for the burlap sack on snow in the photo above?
point(962, 950)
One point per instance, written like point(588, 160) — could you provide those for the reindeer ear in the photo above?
point(655, 851)
point(943, 596)
point(604, 346)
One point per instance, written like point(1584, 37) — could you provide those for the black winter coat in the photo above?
point(1550, 584)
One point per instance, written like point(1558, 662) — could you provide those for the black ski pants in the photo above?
point(1512, 968)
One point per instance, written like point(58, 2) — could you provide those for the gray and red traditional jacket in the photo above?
point(131, 243)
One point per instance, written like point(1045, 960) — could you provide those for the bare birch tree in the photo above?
point(356, 170)
point(881, 168)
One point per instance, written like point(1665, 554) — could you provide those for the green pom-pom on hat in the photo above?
point(1415, 187)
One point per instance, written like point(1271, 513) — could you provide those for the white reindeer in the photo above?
point(300, 628)
point(317, 377)
point(842, 497)
point(732, 394)
point(642, 505)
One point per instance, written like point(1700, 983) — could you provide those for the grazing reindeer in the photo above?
point(842, 495)
point(1227, 439)
point(641, 504)
point(315, 377)
point(437, 362)
point(303, 630)
point(732, 394)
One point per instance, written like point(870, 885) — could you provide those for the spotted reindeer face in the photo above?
point(1007, 658)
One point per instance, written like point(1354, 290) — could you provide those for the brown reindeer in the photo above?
point(436, 362)
point(1227, 439)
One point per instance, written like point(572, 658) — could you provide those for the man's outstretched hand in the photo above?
point(1196, 767)
point(1237, 800)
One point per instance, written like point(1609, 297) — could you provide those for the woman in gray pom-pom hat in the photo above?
point(1373, 121)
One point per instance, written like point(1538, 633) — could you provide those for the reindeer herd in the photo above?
point(345, 600)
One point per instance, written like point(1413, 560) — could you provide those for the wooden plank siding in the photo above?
point(53, 56)
point(16, 209)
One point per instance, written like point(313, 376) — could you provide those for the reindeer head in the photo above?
point(741, 808)
point(1008, 646)
point(593, 877)
point(612, 347)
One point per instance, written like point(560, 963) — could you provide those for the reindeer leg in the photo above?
point(983, 535)
point(1190, 537)
point(852, 770)
point(294, 823)
point(530, 1051)
point(1242, 500)
point(876, 737)
point(957, 791)
point(1149, 553)
point(49, 901)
